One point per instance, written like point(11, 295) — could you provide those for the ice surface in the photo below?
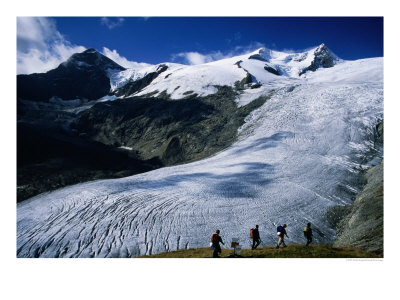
point(296, 156)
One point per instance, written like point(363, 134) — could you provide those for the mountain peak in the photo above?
point(83, 75)
point(324, 50)
point(91, 58)
point(323, 58)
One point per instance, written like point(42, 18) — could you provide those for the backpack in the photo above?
point(252, 233)
point(307, 231)
point(214, 238)
point(279, 229)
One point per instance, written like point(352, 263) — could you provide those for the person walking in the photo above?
point(308, 233)
point(281, 234)
point(256, 238)
point(215, 240)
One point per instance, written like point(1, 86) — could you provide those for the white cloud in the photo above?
point(40, 46)
point(112, 22)
point(121, 60)
point(36, 61)
point(196, 58)
point(35, 32)
point(239, 50)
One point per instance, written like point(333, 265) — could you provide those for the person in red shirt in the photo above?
point(215, 240)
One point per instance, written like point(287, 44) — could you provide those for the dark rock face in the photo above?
point(378, 138)
point(257, 57)
point(271, 70)
point(256, 85)
point(240, 85)
point(83, 75)
point(362, 227)
point(174, 131)
point(137, 85)
point(323, 58)
point(174, 152)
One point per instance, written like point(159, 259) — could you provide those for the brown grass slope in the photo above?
point(292, 251)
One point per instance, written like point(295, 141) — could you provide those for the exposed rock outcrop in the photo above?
point(323, 58)
point(174, 131)
point(240, 85)
point(257, 57)
point(137, 85)
point(271, 70)
point(362, 227)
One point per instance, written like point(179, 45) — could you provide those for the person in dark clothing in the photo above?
point(215, 240)
point(281, 235)
point(256, 238)
point(308, 233)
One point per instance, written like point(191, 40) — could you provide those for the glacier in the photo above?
point(296, 156)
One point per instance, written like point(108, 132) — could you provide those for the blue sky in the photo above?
point(192, 40)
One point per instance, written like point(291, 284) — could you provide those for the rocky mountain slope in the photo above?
point(173, 131)
point(362, 227)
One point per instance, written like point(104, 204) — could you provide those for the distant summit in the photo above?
point(323, 58)
point(295, 64)
point(91, 58)
point(83, 75)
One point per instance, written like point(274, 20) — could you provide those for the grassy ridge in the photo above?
point(292, 251)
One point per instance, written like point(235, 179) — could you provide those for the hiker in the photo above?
point(308, 233)
point(255, 235)
point(215, 240)
point(281, 233)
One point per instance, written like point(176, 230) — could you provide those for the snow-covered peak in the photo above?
point(321, 47)
point(246, 71)
point(268, 54)
point(262, 66)
point(323, 50)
